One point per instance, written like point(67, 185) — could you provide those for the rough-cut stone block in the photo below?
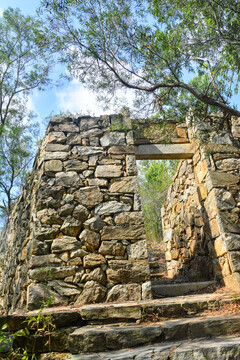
point(49, 273)
point(124, 271)
point(37, 295)
point(75, 165)
point(49, 216)
point(119, 150)
point(89, 196)
point(70, 128)
point(147, 291)
point(108, 171)
point(138, 250)
point(232, 241)
point(95, 223)
point(69, 179)
point(65, 243)
point(220, 247)
point(88, 123)
point(56, 137)
point(133, 232)
point(63, 288)
point(56, 155)
point(111, 207)
point(129, 218)
point(112, 248)
point(97, 275)
point(89, 150)
point(220, 179)
point(113, 138)
point(71, 227)
point(121, 293)
point(125, 185)
point(92, 293)
point(90, 239)
point(81, 213)
point(97, 182)
point(53, 166)
point(44, 260)
point(235, 260)
point(93, 260)
point(57, 147)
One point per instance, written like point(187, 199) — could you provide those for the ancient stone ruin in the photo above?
point(77, 231)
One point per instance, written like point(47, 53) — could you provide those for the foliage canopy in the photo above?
point(175, 54)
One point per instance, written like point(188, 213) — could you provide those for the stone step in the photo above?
point(178, 289)
point(180, 306)
point(106, 338)
point(220, 348)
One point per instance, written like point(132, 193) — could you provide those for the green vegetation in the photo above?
point(35, 325)
point(155, 179)
point(174, 54)
point(25, 63)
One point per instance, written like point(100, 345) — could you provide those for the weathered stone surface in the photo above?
point(49, 216)
point(129, 218)
point(97, 182)
point(92, 293)
point(221, 179)
point(124, 271)
point(89, 150)
point(232, 241)
point(111, 207)
point(39, 294)
point(75, 165)
point(89, 196)
point(71, 128)
point(57, 137)
point(69, 179)
point(95, 223)
point(147, 291)
point(112, 248)
point(108, 171)
point(90, 239)
point(138, 251)
point(49, 273)
point(57, 147)
point(131, 166)
point(228, 164)
point(81, 213)
point(97, 275)
point(53, 166)
point(125, 185)
point(88, 123)
point(63, 288)
point(133, 232)
point(119, 150)
point(114, 138)
point(38, 248)
point(46, 233)
point(65, 243)
point(71, 227)
point(44, 260)
point(93, 260)
point(56, 155)
point(66, 209)
point(121, 293)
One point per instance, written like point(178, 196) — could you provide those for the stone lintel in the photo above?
point(163, 151)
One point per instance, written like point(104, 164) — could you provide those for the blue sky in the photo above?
point(71, 97)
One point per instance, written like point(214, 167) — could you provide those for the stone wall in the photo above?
point(77, 231)
point(212, 231)
point(187, 253)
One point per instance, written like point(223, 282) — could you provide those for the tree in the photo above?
point(16, 154)
point(181, 53)
point(25, 62)
point(155, 179)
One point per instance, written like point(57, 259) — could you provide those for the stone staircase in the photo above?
point(183, 327)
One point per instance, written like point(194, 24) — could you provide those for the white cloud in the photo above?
point(1, 12)
point(77, 99)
